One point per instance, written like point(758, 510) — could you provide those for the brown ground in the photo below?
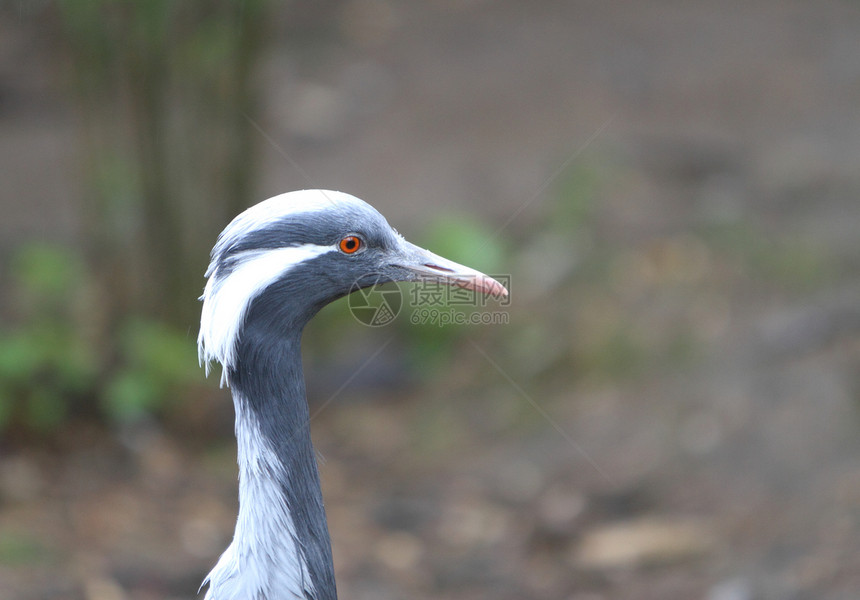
point(717, 459)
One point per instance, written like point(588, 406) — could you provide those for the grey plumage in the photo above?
point(271, 270)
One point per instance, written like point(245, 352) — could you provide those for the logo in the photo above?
point(376, 305)
point(430, 303)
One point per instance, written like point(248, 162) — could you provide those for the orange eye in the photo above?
point(350, 244)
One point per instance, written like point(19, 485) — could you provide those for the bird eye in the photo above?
point(350, 244)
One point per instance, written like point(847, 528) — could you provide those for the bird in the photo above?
point(271, 270)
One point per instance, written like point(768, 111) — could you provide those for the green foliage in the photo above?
point(51, 369)
point(166, 92)
point(17, 549)
point(575, 203)
point(464, 239)
point(45, 273)
point(156, 361)
point(44, 361)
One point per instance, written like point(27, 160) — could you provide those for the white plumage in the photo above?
point(263, 557)
point(226, 299)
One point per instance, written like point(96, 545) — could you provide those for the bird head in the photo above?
point(283, 259)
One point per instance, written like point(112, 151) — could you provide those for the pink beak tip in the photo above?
point(487, 285)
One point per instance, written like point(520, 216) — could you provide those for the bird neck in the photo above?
point(281, 547)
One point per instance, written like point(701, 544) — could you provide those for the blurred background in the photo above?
point(671, 410)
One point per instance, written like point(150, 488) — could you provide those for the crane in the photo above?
point(272, 269)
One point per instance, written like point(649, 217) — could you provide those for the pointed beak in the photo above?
point(423, 265)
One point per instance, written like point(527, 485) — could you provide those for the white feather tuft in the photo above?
point(226, 299)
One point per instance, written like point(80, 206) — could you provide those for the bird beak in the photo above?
point(426, 266)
